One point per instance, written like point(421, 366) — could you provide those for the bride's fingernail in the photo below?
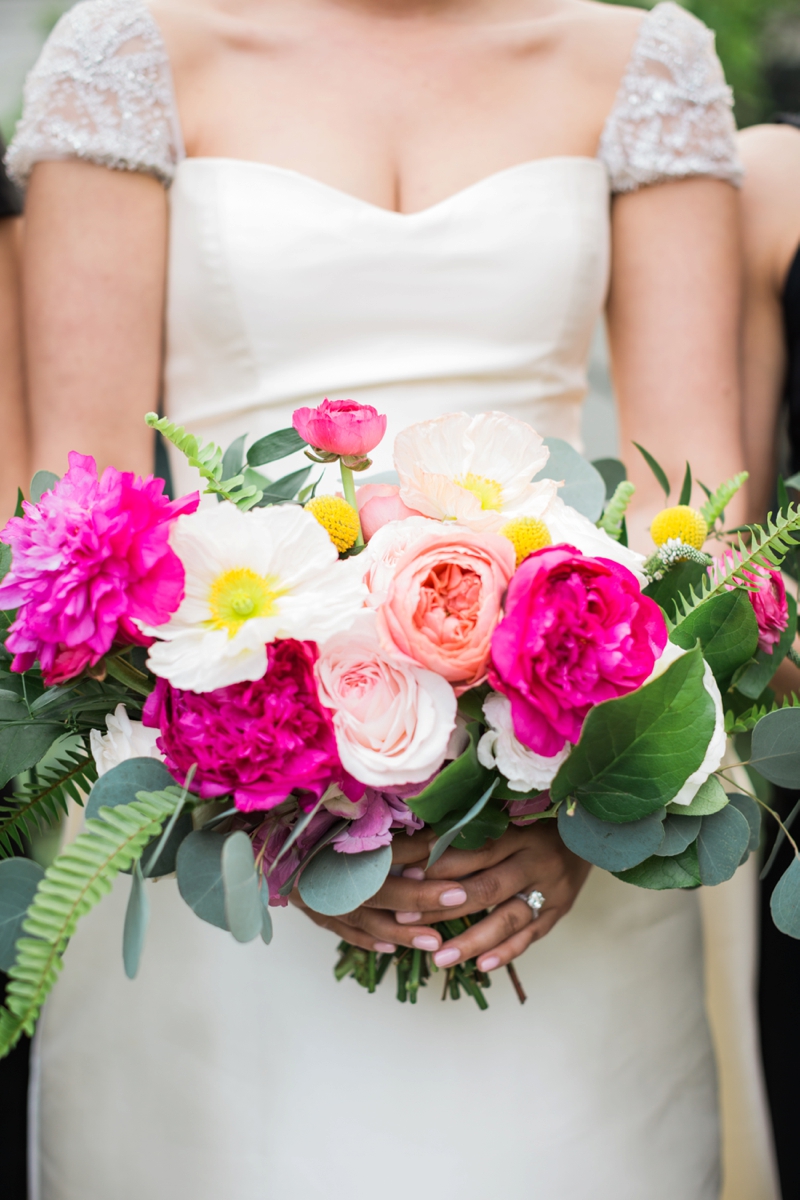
point(413, 873)
point(446, 958)
point(453, 897)
point(425, 942)
point(385, 947)
point(488, 964)
point(407, 918)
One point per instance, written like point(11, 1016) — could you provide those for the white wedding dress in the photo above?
point(230, 1072)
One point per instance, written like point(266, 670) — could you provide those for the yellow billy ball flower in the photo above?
point(338, 518)
point(681, 522)
point(526, 534)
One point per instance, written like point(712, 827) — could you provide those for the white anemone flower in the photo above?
point(124, 739)
point(525, 770)
point(251, 577)
point(474, 470)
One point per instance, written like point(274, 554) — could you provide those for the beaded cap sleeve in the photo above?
point(101, 91)
point(672, 117)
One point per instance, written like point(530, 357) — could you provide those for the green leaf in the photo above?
point(722, 841)
point(450, 835)
point(137, 916)
point(457, 787)
point(785, 902)
point(19, 879)
point(199, 867)
point(122, 783)
point(715, 506)
point(584, 487)
point(243, 911)
point(686, 490)
point(757, 676)
point(285, 489)
point(334, 883)
point(333, 832)
point(266, 917)
point(66, 773)
point(165, 865)
point(727, 630)
point(611, 846)
point(43, 481)
point(752, 814)
point(19, 511)
point(709, 798)
point(613, 473)
point(635, 753)
point(784, 828)
point(776, 747)
point(5, 559)
point(233, 458)
point(664, 874)
point(489, 825)
point(23, 739)
point(274, 446)
point(685, 579)
point(657, 470)
point(679, 833)
point(613, 517)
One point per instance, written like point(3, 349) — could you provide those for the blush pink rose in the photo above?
point(340, 427)
point(443, 601)
point(378, 504)
point(576, 631)
point(769, 603)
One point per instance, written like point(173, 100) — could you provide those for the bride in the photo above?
point(246, 205)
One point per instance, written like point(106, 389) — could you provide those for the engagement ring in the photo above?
point(534, 900)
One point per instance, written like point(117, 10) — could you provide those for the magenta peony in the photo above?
point(255, 741)
point(768, 600)
point(88, 561)
point(576, 631)
point(340, 427)
point(378, 504)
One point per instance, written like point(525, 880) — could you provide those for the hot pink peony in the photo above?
point(378, 504)
point(576, 631)
point(340, 427)
point(769, 603)
point(444, 600)
point(257, 741)
point(90, 559)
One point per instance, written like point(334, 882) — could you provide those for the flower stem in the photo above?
point(349, 489)
point(125, 672)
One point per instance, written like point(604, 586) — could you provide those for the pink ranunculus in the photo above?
point(379, 503)
point(444, 599)
point(576, 631)
point(255, 741)
point(90, 560)
point(340, 427)
point(768, 600)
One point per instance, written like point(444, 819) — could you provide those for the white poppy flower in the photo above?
point(525, 770)
point(474, 470)
point(251, 577)
point(125, 739)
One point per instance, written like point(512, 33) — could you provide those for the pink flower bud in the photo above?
point(378, 504)
point(768, 600)
point(340, 427)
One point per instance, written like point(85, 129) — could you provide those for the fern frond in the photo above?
point(767, 550)
point(614, 515)
point(750, 718)
point(75, 882)
point(39, 803)
point(719, 500)
point(207, 459)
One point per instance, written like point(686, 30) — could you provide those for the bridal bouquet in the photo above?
point(288, 681)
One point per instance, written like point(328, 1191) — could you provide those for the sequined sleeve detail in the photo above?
point(101, 91)
point(672, 117)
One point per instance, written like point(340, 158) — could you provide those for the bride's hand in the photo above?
point(464, 882)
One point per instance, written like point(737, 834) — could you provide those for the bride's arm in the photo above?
point(94, 280)
point(673, 319)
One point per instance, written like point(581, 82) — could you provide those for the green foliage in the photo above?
point(755, 678)
point(656, 468)
point(76, 881)
point(584, 487)
point(208, 460)
point(679, 833)
point(747, 720)
point(722, 843)
point(614, 515)
point(613, 847)
point(719, 500)
point(334, 883)
point(775, 751)
point(471, 822)
point(709, 798)
point(727, 630)
point(68, 775)
point(457, 787)
point(785, 902)
point(662, 874)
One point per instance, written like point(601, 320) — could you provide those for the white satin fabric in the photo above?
point(247, 1072)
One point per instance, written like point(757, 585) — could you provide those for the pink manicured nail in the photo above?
point(453, 898)
point(407, 918)
point(385, 948)
point(488, 964)
point(413, 873)
point(425, 942)
point(446, 958)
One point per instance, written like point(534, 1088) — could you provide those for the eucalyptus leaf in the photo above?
point(664, 874)
point(274, 446)
point(679, 833)
point(775, 750)
point(137, 915)
point(709, 798)
point(751, 812)
point(613, 473)
point(727, 630)
point(333, 832)
point(199, 868)
point(756, 677)
point(785, 902)
point(457, 787)
point(121, 783)
point(722, 841)
point(285, 489)
point(334, 883)
point(584, 487)
point(243, 910)
point(636, 752)
point(610, 845)
point(447, 838)
point(780, 837)
point(43, 481)
point(266, 916)
point(19, 879)
point(165, 864)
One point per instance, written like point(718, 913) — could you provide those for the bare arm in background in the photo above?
point(16, 468)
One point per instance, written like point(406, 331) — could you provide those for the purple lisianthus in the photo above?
point(257, 741)
point(384, 813)
point(275, 833)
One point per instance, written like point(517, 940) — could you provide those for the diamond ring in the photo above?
point(534, 900)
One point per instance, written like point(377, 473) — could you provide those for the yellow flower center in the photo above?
point(488, 491)
point(240, 595)
point(681, 522)
point(338, 517)
point(526, 534)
